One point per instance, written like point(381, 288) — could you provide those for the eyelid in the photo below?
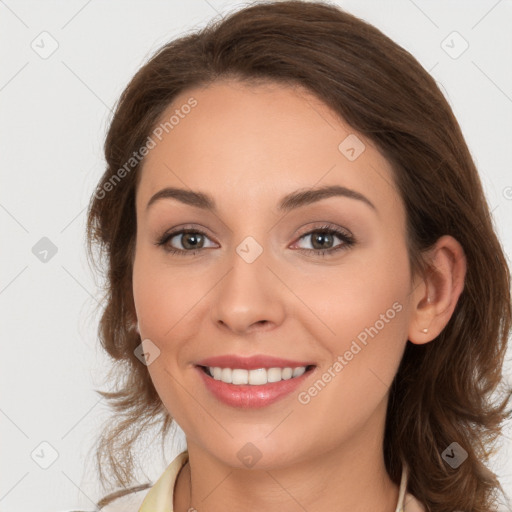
point(169, 234)
point(186, 227)
point(326, 226)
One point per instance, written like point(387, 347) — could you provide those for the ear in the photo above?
point(435, 296)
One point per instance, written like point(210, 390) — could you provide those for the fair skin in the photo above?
point(247, 147)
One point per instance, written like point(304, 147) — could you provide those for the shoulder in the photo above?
point(134, 500)
point(127, 503)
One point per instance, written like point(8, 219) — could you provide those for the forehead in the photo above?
point(250, 144)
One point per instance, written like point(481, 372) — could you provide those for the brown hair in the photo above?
point(443, 390)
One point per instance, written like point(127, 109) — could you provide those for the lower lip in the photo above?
point(250, 396)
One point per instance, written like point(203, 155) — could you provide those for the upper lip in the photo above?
point(251, 363)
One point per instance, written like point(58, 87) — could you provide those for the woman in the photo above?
point(302, 274)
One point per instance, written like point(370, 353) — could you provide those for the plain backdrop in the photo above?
point(63, 66)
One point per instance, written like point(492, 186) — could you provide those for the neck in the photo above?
point(350, 477)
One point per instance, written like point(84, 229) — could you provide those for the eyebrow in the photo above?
point(289, 202)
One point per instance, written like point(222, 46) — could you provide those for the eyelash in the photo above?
point(328, 229)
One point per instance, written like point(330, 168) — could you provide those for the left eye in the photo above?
point(322, 240)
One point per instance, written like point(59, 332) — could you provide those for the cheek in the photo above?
point(366, 309)
point(371, 286)
point(162, 296)
point(164, 300)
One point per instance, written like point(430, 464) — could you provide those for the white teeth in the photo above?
point(297, 372)
point(255, 377)
point(239, 376)
point(274, 374)
point(287, 373)
point(225, 376)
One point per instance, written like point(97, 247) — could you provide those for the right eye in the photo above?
point(192, 240)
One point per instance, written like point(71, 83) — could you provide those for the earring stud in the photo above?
point(424, 330)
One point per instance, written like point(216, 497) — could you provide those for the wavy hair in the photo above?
point(445, 390)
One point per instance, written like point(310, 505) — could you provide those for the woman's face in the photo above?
point(249, 279)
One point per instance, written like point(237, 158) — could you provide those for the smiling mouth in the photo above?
point(255, 377)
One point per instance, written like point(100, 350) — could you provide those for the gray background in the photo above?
point(55, 111)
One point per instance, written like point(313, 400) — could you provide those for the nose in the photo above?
point(249, 298)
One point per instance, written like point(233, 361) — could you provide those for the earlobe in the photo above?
point(425, 329)
point(434, 302)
